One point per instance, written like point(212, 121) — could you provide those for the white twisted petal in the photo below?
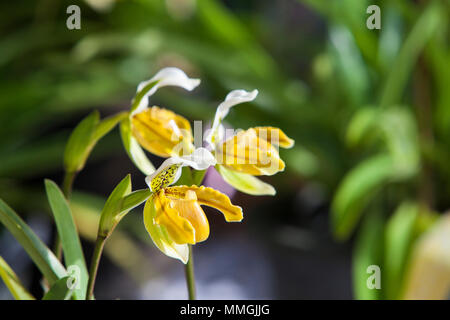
point(166, 77)
point(233, 98)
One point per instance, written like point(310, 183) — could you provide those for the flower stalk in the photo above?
point(69, 177)
point(189, 273)
point(99, 244)
point(198, 176)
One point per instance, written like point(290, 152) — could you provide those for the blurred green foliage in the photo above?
point(369, 109)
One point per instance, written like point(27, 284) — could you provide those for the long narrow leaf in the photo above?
point(367, 252)
point(356, 190)
point(61, 290)
point(110, 215)
point(44, 259)
point(79, 145)
point(423, 30)
point(106, 125)
point(13, 283)
point(73, 254)
point(398, 239)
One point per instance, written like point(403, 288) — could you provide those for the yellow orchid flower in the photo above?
point(173, 215)
point(161, 132)
point(158, 130)
point(248, 153)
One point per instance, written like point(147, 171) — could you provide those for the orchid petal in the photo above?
point(275, 136)
point(233, 98)
point(162, 132)
point(160, 236)
point(245, 182)
point(209, 197)
point(246, 152)
point(133, 149)
point(165, 77)
point(170, 170)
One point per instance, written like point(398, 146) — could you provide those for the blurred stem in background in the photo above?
point(423, 104)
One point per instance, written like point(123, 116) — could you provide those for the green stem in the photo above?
point(99, 244)
point(67, 184)
point(189, 272)
point(197, 177)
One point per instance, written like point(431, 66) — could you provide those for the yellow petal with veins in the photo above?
point(247, 153)
point(160, 236)
point(179, 228)
point(208, 197)
point(160, 131)
point(275, 136)
point(190, 209)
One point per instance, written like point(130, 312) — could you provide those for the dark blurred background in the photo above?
point(349, 96)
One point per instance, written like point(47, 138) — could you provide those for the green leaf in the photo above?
point(134, 150)
point(85, 136)
point(398, 238)
point(134, 199)
point(106, 125)
point(400, 134)
point(13, 283)
point(220, 23)
point(73, 253)
point(439, 64)
point(349, 13)
point(350, 64)
point(110, 215)
point(361, 125)
point(118, 204)
point(423, 30)
point(33, 159)
point(390, 38)
point(79, 145)
point(367, 252)
point(61, 290)
point(44, 259)
point(397, 130)
point(355, 191)
point(246, 183)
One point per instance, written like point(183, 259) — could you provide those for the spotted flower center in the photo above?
point(165, 178)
